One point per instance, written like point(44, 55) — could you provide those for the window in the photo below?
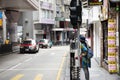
point(51, 15)
point(43, 14)
point(47, 14)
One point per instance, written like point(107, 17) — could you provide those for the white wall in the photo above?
point(97, 41)
point(28, 26)
point(92, 14)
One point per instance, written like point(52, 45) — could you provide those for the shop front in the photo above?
point(110, 58)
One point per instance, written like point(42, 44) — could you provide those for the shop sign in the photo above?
point(0, 15)
point(115, 0)
point(1, 22)
point(95, 2)
point(39, 32)
point(112, 63)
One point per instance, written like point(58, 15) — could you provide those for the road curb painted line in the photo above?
point(17, 77)
point(38, 77)
point(61, 65)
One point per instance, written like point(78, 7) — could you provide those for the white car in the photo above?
point(29, 45)
point(45, 43)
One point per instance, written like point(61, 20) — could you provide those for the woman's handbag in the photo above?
point(90, 53)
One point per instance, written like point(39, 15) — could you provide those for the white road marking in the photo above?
point(15, 66)
point(30, 69)
point(28, 60)
point(52, 53)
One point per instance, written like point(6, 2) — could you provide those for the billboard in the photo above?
point(95, 2)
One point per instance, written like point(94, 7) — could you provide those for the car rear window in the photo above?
point(26, 42)
point(41, 41)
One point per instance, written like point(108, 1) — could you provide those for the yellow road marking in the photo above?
point(38, 77)
point(60, 69)
point(17, 77)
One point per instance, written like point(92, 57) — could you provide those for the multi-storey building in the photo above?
point(62, 24)
point(44, 19)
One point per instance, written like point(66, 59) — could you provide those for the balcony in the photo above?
point(45, 5)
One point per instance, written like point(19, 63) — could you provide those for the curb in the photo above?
point(9, 53)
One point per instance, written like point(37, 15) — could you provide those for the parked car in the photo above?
point(45, 43)
point(29, 45)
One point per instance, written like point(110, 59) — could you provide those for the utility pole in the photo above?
point(76, 20)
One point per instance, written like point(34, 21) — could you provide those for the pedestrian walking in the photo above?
point(85, 62)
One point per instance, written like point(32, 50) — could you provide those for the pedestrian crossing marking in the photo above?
point(17, 77)
point(38, 77)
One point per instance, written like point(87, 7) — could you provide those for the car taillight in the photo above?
point(30, 44)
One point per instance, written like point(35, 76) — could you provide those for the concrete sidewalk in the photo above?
point(99, 73)
point(96, 72)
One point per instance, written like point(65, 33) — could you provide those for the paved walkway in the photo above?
point(96, 72)
point(99, 73)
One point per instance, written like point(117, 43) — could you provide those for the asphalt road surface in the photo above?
point(47, 64)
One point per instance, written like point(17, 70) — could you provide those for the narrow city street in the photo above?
point(47, 64)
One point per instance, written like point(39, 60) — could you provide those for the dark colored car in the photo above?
point(45, 43)
point(29, 45)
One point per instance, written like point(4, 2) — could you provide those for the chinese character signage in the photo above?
point(112, 65)
point(95, 2)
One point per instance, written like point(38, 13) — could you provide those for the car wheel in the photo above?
point(46, 46)
point(40, 46)
point(50, 46)
point(37, 50)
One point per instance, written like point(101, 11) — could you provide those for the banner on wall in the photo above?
point(1, 19)
point(112, 63)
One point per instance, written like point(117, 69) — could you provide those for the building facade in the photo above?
point(62, 22)
point(106, 36)
point(44, 19)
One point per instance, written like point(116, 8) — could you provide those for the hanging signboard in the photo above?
point(115, 0)
point(1, 22)
point(112, 64)
point(95, 2)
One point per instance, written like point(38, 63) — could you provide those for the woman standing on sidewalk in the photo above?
point(84, 61)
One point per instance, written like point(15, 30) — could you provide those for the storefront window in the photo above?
point(105, 40)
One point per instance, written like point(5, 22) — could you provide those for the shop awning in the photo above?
point(20, 5)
